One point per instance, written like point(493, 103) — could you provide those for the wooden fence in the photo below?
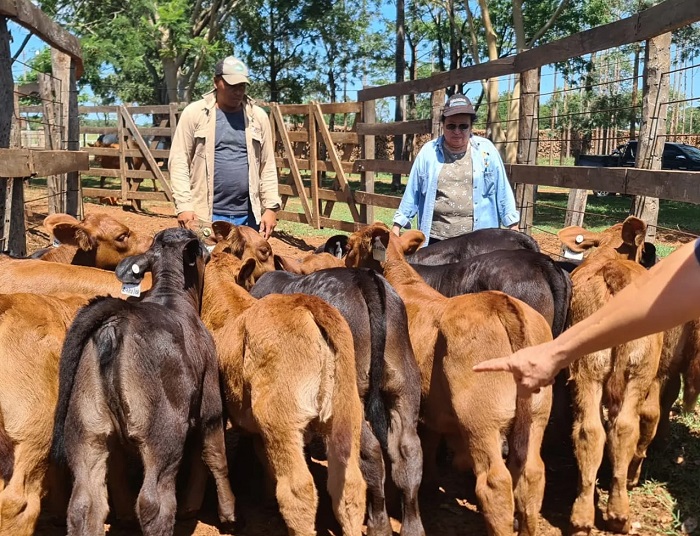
point(308, 147)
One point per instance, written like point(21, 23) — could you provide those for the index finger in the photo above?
point(499, 364)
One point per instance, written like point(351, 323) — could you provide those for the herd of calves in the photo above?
point(126, 346)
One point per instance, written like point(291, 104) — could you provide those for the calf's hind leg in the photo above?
point(494, 485)
point(406, 458)
point(529, 481)
point(295, 490)
point(214, 445)
point(88, 507)
point(589, 446)
point(20, 501)
point(374, 472)
point(161, 453)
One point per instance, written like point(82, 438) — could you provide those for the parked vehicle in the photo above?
point(680, 156)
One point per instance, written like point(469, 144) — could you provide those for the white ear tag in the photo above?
point(131, 289)
point(55, 243)
point(568, 254)
point(378, 250)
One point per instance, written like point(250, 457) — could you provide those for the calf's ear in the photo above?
point(221, 230)
point(193, 250)
point(578, 239)
point(132, 269)
point(287, 264)
point(51, 221)
point(244, 277)
point(411, 240)
point(634, 231)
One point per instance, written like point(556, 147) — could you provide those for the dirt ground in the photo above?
point(447, 510)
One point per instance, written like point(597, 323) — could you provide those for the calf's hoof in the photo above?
point(187, 513)
point(580, 529)
point(379, 526)
point(412, 528)
point(620, 525)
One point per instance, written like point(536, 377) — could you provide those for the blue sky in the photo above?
point(690, 82)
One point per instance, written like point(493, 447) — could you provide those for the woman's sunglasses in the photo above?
point(461, 126)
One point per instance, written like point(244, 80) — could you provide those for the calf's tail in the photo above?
point(560, 283)
point(691, 374)
point(7, 453)
point(523, 330)
point(376, 412)
point(344, 398)
point(89, 319)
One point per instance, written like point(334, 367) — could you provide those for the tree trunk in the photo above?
point(652, 130)
point(493, 127)
point(400, 72)
point(6, 85)
point(408, 151)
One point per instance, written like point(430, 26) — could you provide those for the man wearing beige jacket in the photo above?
point(222, 162)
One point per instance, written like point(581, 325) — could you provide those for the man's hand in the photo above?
point(533, 367)
point(396, 229)
point(268, 222)
point(186, 219)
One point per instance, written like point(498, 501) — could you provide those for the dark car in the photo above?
point(679, 156)
point(675, 156)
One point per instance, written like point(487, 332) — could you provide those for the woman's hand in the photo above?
point(533, 367)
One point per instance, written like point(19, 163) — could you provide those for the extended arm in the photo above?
point(664, 297)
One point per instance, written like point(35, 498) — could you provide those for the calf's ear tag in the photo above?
point(131, 289)
point(55, 243)
point(568, 254)
point(378, 250)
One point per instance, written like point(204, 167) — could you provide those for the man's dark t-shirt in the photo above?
point(230, 165)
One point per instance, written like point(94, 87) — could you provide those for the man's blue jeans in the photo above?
point(246, 219)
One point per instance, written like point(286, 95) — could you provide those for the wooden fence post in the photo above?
point(63, 67)
point(52, 137)
point(527, 145)
point(652, 130)
point(313, 168)
point(437, 103)
point(369, 116)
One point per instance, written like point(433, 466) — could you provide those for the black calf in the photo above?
point(143, 373)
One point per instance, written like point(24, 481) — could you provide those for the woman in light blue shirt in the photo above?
point(457, 183)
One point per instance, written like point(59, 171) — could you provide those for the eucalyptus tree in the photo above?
point(279, 37)
point(147, 51)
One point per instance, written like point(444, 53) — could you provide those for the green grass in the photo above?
point(670, 475)
point(382, 185)
point(677, 221)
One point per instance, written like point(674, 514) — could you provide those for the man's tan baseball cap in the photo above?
point(232, 70)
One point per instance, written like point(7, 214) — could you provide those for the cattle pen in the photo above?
point(323, 161)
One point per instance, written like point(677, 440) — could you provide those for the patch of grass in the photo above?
point(602, 212)
point(670, 475)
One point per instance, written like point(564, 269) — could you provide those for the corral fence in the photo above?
point(315, 148)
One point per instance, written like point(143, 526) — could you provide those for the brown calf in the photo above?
point(622, 379)
point(40, 277)
point(680, 356)
point(288, 368)
point(309, 264)
point(32, 329)
point(97, 240)
point(248, 243)
point(449, 336)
